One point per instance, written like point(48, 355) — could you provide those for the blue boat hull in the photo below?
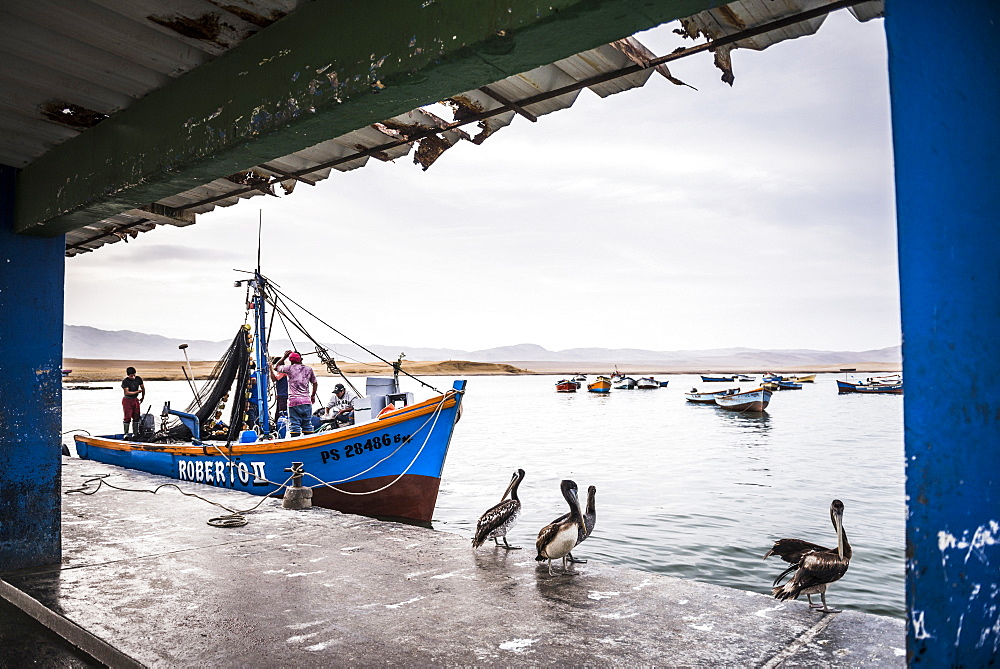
point(883, 389)
point(389, 467)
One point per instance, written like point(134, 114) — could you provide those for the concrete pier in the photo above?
point(146, 581)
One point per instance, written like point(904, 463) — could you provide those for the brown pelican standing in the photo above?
point(558, 538)
point(815, 567)
point(589, 520)
point(498, 520)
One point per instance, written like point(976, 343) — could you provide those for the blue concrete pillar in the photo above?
point(31, 322)
point(945, 88)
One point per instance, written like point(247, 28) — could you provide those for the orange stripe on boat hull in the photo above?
point(281, 445)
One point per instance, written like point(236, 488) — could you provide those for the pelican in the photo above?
point(558, 538)
point(589, 520)
point(815, 567)
point(498, 520)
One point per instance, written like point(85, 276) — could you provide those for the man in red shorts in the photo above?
point(134, 394)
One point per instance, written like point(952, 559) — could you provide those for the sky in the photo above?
point(759, 215)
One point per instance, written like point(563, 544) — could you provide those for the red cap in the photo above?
point(295, 357)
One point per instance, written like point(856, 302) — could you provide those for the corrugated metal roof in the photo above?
point(68, 64)
point(391, 139)
point(744, 14)
point(71, 63)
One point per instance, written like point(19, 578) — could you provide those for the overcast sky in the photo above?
point(661, 218)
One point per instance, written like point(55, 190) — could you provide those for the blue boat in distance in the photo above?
point(870, 388)
point(782, 385)
point(386, 462)
point(717, 379)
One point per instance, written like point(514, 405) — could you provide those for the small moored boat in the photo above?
point(781, 385)
point(750, 401)
point(808, 378)
point(647, 383)
point(717, 379)
point(743, 378)
point(626, 383)
point(601, 384)
point(708, 398)
point(870, 389)
point(566, 386)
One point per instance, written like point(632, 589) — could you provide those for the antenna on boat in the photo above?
point(260, 226)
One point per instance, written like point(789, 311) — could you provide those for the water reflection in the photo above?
point(748, 421)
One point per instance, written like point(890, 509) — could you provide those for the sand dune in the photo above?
point(155, 370)
point(114, 370)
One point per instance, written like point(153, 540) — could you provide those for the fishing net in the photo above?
point(230, 379)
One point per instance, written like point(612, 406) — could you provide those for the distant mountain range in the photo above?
point(86, 342)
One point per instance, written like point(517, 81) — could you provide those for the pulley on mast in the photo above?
point(331, 365)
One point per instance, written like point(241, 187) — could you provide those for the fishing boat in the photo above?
point(743, 378)
point(750, 401)
point(781, 385)
point(708, 398)
point(717, 379)
point(870, 388)
point(601, 384)
point(663, 384)
point(807, 378)
point(647, 383)
point(566, 386)
point(626, 383)
point(580, 377)
point(387, 464)
point(771, 377)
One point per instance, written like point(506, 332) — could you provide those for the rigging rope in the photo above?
point(433, 417)
point(330, 363)
point(365, 349)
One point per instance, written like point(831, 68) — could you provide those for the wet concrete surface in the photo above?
point(146, 574)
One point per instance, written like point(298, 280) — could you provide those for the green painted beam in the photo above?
point(327, 69)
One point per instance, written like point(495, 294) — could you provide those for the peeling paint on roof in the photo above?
point(165, 44)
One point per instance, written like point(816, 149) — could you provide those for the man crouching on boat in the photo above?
point(302, 389)
point(340, 409)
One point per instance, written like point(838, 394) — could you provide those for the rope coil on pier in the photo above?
point(232, 519)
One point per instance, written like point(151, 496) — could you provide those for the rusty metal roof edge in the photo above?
point(434, 133)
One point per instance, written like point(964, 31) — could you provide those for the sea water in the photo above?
point(682, 489)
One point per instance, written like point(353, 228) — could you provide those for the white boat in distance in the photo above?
point(752, 400)
point(708, 398)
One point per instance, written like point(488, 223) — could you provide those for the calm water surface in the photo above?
point(682, 489)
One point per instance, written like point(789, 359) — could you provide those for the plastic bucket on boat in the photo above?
point(248, 436)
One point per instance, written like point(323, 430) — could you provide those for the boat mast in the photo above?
point(262, 362)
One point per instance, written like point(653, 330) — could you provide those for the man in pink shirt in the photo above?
point(302, 388)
